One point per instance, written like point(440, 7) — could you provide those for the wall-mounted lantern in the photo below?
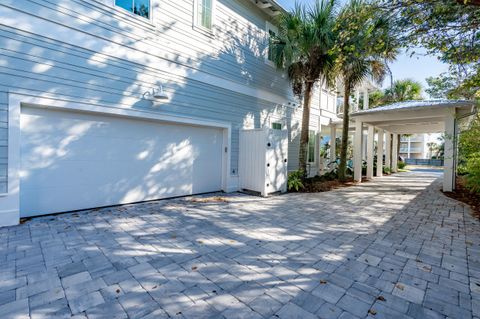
point(157, 94)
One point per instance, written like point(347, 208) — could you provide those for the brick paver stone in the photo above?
point(394, 247)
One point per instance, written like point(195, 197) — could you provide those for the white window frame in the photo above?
point(133, 14)
point(269, 27)
point(197, 25)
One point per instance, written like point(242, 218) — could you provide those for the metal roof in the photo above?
point(426, 116)
point(418, 104)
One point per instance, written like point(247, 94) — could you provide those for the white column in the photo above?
point(357, 151)
point(388, 150)
point(333, 143)
point(380, 153)
point(357, 102)
point(449, 160)
point(395, 153)
point(370, 144)
point(409, 145)
point(364, 147)
point(321, 160)
point(365, 100)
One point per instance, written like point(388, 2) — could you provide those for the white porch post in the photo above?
point(333, 143)
point(357, 101)
point(388, 150)
point(365, 100)
point(448, 168)
point(395, 153)
point(380, 153)
point(318, 147)
point(409, 147)
point(370, 142)
point(357, 151)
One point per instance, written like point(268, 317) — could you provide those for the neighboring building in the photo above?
point(106, 102)
point(416, 146)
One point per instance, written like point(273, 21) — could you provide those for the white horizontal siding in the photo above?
point(236, 52)
point(3, 141)
point(85, 50)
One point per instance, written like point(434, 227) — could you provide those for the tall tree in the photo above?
point(455, 85)
point(303, 47)
point(364, 42)
point(449, 29)
point(446, 27)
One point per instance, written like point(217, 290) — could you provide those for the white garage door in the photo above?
point(72, 161)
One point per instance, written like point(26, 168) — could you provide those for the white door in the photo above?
point(276, 158)
point(72, 160)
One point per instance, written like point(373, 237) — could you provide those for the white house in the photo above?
point(106, 102)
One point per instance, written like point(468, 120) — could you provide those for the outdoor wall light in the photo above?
point(157, 94)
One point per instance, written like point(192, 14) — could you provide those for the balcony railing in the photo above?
point(413, 139)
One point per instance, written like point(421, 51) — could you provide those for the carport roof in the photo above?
point(418, 104)
point(426, 116)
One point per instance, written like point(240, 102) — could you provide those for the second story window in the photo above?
point(138, 7)
point(204, 14)
point(272, 31)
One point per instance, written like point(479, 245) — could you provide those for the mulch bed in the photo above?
point(314, 185)
point(465, 196)
point(214, 199)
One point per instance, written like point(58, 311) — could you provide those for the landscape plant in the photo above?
point(295, 180)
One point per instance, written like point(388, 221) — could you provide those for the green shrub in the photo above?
point(469, 155)
point(401, 165)
point(473, 173)
point(295, 180)
point(387, 170)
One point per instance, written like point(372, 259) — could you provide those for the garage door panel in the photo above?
point(75, 161)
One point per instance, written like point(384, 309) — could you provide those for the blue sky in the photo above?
point(417, 67)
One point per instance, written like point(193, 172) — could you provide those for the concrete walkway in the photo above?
point(392, 248)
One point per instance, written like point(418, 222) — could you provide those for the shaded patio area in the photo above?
point(395, 247)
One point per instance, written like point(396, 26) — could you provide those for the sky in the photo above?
point(418, 67)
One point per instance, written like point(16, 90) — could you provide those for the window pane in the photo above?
point(207, 4)
point(126, 4)
point(204, 13)
point(277, 126)
point(207, 22)
point(142, 8)
point(311, 146)
point(270, 52)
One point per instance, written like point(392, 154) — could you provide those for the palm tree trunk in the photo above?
point(390, 73)
point(342, 167)
point(305, 128)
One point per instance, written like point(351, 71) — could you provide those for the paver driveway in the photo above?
point(391, 248)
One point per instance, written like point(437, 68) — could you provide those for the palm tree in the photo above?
point(303, 47)
point(432, 146)
point(404, 90)
point(363, 45)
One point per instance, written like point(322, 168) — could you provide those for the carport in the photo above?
point(386, 123)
